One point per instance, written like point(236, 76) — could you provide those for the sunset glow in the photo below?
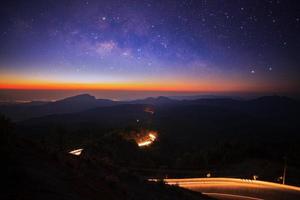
point(167, 84)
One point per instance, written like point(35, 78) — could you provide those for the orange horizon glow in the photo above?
point(205, 86)
point(122, 86)
point(10, 80)
point(167, 83)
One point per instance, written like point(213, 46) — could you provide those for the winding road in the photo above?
point(238, 189)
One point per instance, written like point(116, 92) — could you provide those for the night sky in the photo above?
point(188, 45)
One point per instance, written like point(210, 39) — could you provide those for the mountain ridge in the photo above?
point(85, 102)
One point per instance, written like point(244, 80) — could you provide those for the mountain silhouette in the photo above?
point(68, 105)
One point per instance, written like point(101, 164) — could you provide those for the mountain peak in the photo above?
point(81, 97)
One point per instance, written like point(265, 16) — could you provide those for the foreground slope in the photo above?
point(34, 172)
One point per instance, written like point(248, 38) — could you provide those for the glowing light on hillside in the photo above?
point(148, 140)
point(152, 137)
point(145, 143)
point(76, 152)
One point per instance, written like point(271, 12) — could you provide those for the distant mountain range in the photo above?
point(193, 120)
point(23, 111)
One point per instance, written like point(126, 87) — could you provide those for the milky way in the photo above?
point(185, 45)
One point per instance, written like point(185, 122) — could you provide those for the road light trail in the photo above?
point(151, 137)
point(234, 188)
point(224, 181)
point(76, 152)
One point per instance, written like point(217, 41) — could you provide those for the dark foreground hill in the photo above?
point(34, 170)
